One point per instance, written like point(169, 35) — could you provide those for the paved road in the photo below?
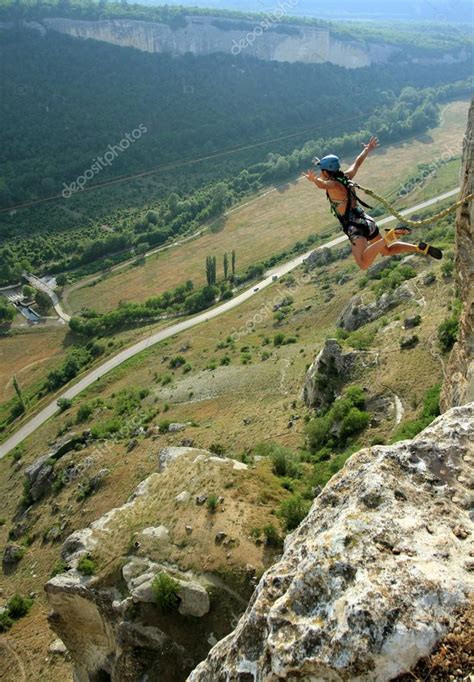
point(39, 419)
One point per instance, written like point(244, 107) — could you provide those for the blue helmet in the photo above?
point(328, 163)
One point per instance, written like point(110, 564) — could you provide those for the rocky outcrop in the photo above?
point(332, 368)
point(112, 619)
point(356, 313)
point(200, 35)
point(372, 578)
point(459, 385)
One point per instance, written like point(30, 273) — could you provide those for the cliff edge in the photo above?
point(459, 384)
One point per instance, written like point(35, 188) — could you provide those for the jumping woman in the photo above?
point(366, 241)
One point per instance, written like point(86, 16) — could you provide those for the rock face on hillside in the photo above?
point(332, 368)
point(111, 620)
point(459, 385)
point(356, 314)
point(370, 580)
point(207, 35)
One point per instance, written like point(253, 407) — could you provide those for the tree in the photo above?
point(18, 392)
point(27, 291)
point(226, 265)
point(61, 280)
point(233, 263)
point(42, 300)
point(7, 311)
point(211, 270)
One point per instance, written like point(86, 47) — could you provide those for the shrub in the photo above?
point(165, 589)
point(167, 379)
point(278, 339)
point(86, 565)
point(18, 606)
point(284, 463)
point(317, 432)
point(293, 511)
point(84, 413)
point(187, 368)
point(164, 426)
point(176, 362)
point(211, 503)
point(64, 404)
point(2, 521)
point(354, 422)
point(272, 537)
point(217, 449)
point(448, 333)
point(5, 621)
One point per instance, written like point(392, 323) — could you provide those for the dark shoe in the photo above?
point(429, 250)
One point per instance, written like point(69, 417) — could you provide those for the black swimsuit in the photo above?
point(355, 221)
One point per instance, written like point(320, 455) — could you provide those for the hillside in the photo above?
point(233, 397)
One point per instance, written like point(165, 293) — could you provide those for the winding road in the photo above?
point(39, 419)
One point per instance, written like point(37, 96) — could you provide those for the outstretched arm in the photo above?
point(319, 182)
point(362, 157)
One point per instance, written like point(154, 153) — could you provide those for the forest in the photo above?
point(280, 114)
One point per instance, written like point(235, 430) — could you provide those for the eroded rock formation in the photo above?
point(370, 580)
point(459, 385)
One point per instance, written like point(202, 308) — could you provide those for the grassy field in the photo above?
point(279, 218)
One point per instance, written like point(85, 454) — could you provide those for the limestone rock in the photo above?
point(332, 368)
point(172, 428)
point(160, 533)
point(168, 455)
point(201, 35)
point(40, 476)
point(459, 385)
point(356, 313)
point(57, 647)
point(364, 589)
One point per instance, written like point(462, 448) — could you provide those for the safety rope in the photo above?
point(415, 223)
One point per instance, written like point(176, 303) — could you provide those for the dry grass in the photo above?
point(29, 355)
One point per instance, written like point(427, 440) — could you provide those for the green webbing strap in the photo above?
point(416, 223)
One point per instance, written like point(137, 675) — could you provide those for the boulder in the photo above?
point(356, 314)
point(12, 554)
point(371, 580)
point(40, 477)
point(412, 321)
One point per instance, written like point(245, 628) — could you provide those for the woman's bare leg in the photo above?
point(365, 253)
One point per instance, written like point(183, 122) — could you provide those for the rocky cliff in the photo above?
point(370, 581)
point(206, 35)
point(459, 384)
